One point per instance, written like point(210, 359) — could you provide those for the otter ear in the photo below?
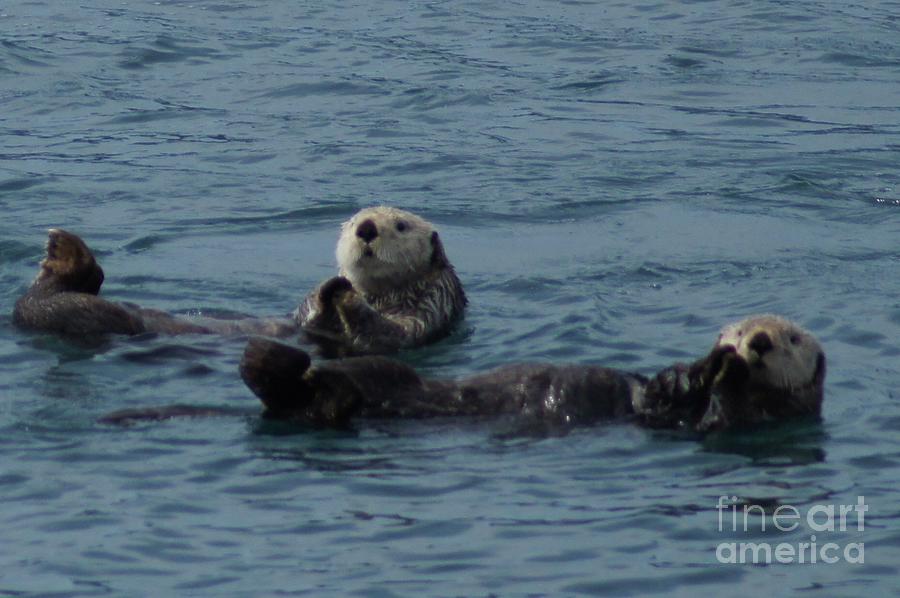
point(438, 257)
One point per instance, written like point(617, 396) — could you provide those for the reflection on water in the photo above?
point(782, 444)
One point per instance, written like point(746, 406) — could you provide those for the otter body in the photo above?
point(732, 386)
point(335, 392)
point(395, 289)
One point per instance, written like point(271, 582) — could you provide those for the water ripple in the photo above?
point(612, 182)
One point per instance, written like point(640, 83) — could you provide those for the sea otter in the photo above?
point(761, 368)
point(396, 289)
point(63, 299)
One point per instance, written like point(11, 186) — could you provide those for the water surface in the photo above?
point(614, 182)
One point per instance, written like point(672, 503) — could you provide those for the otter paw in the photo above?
point(707, 369)
point(332, 290)
point(733, 372)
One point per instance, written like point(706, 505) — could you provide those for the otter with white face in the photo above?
point(779, 353)
point(776, 369)
point(395, 289)
point(381, 249)
point(761, 369)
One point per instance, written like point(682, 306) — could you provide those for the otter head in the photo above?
point(769, 369)
point(69, 265)
point(382, 249)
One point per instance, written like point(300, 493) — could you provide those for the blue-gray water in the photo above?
point(614, 181)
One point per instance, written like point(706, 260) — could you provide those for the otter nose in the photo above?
point(761, 343)
point(367, 230)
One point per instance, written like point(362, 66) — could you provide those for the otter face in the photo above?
point(780, 353)
point(771, 369)
point(70, 264)
point(383, 248)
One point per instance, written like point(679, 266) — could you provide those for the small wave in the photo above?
point(166, 353)
point(432, 98)
point(25, 55)
point(683, 62)
point(717, 52)
point(22, 183)
point(143, 243)
point(340, 88)
point(136, 115)
point(312, 216)
point(165, 50)
point(858, 60)
point(15, 251)
point(593, 84)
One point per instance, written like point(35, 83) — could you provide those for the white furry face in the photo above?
point(383, 248)
point(780, 354)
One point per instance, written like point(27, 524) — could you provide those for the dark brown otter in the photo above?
point(732, 386)
point(64, 299)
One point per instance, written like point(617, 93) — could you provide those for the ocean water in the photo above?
point(614, 181)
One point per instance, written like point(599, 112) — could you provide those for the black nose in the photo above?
point(367, 231)
point(761, 343)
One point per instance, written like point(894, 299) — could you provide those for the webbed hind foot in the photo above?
point(274, 372)
point(70, 263)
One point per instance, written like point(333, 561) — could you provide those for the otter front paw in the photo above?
point(733, 371)
point(729, 404)
point(333, 290)
point(704, 372)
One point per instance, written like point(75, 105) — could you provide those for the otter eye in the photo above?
point(795, 340)
point(401, 226)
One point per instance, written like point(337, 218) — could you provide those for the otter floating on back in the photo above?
point(396, 289)
point(64, 299)
point(762, 368)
